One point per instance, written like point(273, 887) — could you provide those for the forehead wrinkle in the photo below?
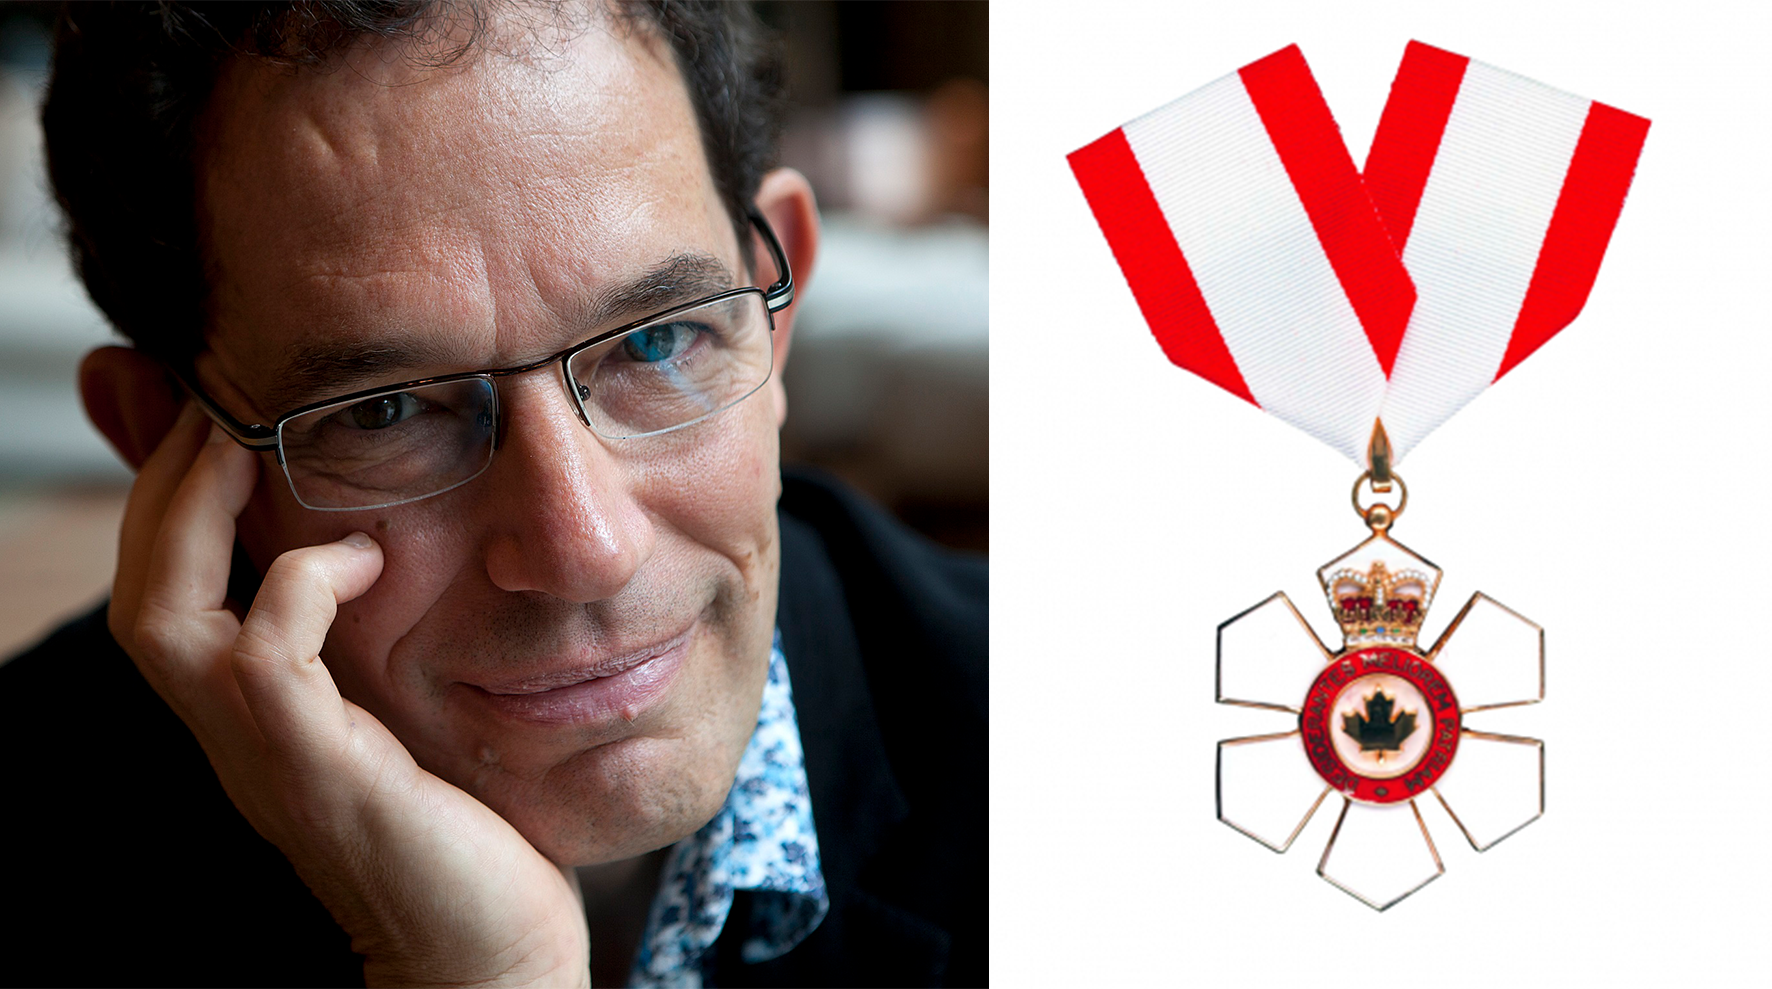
point(431, 304)
point(350, 141)
point(409, 194)
point(350, 137)
point(459, 245)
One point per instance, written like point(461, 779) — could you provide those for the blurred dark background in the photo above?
point(887, 383)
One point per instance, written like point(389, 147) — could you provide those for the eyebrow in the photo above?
point(677, 279)
point(317, 369)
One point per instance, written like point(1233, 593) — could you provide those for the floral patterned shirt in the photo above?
point(762, 840)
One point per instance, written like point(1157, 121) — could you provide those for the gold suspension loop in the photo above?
point(1380, 516)
point(1378, 455)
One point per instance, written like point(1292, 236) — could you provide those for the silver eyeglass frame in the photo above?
point(261, 438)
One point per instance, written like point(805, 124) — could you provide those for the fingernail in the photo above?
point(359, 540)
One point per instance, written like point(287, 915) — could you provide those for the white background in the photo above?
point(1612, 488)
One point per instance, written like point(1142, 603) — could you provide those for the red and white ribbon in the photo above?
point(1501, 193)
point(1253, 248)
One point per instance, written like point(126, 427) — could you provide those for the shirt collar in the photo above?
point(762, 840)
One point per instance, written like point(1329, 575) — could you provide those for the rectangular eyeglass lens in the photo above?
point(390, 447)
point(678, 369)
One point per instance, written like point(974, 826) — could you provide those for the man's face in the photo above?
point(404, 222)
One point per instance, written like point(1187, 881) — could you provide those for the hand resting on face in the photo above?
point(433, 887)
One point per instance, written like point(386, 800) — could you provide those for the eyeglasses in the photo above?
point(399, 443)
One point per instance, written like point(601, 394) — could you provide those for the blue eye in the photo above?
point(383, 411)
point(661, 342)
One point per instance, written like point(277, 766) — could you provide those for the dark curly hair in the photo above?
point(129, 82)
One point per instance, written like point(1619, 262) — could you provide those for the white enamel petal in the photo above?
point(1380, 854)
point(1267, 656)
point(1495, 786)
point(1267, 788)
point(1492, 656)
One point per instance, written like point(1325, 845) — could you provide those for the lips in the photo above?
point(611, 687)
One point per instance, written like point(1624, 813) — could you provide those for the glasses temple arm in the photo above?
point(252, 437)
point(781, 294)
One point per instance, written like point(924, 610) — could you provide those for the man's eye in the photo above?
point(383, 411)
point(661, 342)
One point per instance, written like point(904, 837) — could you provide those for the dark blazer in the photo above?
point(130, 866)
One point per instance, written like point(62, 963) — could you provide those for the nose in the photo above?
point(564, 515)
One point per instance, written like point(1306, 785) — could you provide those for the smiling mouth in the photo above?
point(617, 687)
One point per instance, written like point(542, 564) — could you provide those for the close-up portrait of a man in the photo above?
point(465, 627)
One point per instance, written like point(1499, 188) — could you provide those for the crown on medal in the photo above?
point(1379, 607)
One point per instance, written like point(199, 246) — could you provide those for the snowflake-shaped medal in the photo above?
point(1379, 721)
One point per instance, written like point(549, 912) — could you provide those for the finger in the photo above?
point(290, 693)
point(146, 507)
point(180, 635)
point(193, 551)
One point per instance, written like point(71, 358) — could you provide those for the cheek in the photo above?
point(718, 487)
point(422, 558)
point(417, 550)
point(273, 523)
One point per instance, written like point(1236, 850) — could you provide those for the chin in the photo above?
point(614, 802)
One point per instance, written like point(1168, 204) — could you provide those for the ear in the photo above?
point(785, 200)
point(131, 398)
